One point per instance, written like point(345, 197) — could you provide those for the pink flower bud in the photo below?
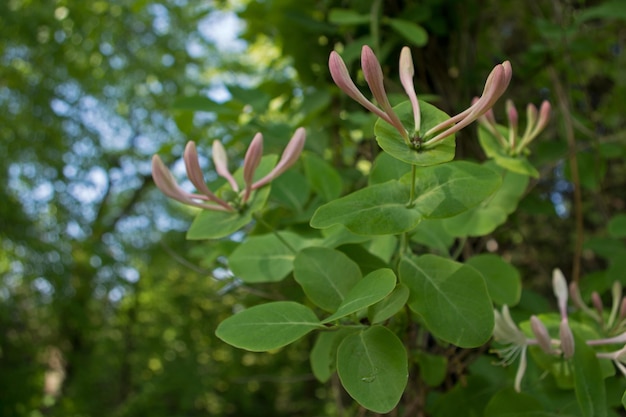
point(560, 291)
point(165, 181)
point(194, 173)
point(251, 163)
point(511, 112)
point(567, 339)
point(541, 334)
point(497, 82)
point(406, 78)
point(288, 158)
point(220, 159)
point(597, 302)
point(544, 117)
point(622, 309)
point(374, 77)
point(341, 77)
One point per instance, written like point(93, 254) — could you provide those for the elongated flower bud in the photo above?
point(567, 339)
point(165, 182)
point(220, 159)
point(511, 112)
point(560, 291)
point(194, 173)
point(374, 77)
point(251, 163)
point(541, 334)
point(497, 82)
point(288, 158)
point(341, 77)
point(407, 71)
point(597, 302)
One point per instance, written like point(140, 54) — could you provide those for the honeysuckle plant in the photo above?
point(395, 307)
point(231, 207)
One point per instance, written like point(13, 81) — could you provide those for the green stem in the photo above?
point(278, 236)
point(411, 203)
point(459, 248)
point(375, 24)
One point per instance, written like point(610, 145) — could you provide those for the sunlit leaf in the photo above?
point(326, 276)
point(451, 297)
point(268, 326)
point(392, 142)
point(372, 288)
point(372, 366)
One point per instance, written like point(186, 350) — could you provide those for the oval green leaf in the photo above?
point(210, 224)
point(412, 32)
point(371, 289)
point(392, 142)
point(268, 326)
point(266, 258)
point(388, 307)
point(326, 276)
point(372, 367)
point(375, 210)
point(452, 299)
point(323, 356)
point(503, 279)
point(446, 190)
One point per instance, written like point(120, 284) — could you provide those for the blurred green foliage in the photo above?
point(105, 310)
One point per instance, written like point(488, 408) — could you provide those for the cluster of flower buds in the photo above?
point(536, 121)
point(496, 84)
point(506, 332)
point(208, 200)
point(614, 325)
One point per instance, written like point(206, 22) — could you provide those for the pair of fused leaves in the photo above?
point(494, 149)
point(210, 224)
point(440, 191)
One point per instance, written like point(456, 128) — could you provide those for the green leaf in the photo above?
point(372, 367)
point(606, 10)
point(433, 234)
point(210, 224)
point(323, 178)
point(266, 258)
point(449, 189)
point(509, 403)
point(433, 368)
point(268, 326)
point(503, 279)
point(491, 213)
point(440, 190)
point(323, 356)
point(326, 276)
point(347, 17)
point(291, 190)
point(412, 32)
point(371, 289)
point(452, 299)
point(392, 142)
point(376, 210)
point(588, 381)
point(617, 226)
point(387, 168)
point(388, 307)
point(494, 149)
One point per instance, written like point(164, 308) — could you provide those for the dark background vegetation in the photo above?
point(106, 310)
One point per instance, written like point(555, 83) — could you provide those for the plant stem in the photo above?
point(411, 203)
point(375, 24)
point(573, 161)
point(278, 236)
